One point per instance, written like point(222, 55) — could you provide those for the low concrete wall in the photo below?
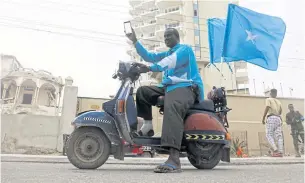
point(246, 117)
point(256, 138)
point(29, 134)
point(251, 108)
point(35, 134)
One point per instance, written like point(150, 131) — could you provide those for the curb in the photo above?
point(147, 161)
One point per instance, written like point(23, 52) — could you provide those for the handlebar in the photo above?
point(133, 71)
point(114, 76)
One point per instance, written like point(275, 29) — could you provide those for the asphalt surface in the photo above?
point(20, 172)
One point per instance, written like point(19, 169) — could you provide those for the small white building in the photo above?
point(26, 91)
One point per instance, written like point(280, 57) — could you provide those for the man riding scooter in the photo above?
point(181, 85)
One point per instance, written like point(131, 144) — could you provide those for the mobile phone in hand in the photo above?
point(127, 27)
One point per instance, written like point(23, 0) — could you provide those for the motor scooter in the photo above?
point(97, 135)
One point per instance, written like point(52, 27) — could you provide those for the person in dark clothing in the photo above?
point(181, 74)
point(295, 119)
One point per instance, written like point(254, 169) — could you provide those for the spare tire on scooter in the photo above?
point(204, 156)
point(88, 148)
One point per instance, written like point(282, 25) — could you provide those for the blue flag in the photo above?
point(253, 37)
point(216, 33)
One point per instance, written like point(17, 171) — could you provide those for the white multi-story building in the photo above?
point(152, 17)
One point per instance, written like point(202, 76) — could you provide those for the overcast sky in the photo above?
point(90, 56)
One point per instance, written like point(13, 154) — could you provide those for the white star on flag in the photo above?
point(250, 36)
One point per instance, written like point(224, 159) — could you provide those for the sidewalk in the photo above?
point(148, 161)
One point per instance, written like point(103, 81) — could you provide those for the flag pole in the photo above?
point(221, 78)
point(254, 86)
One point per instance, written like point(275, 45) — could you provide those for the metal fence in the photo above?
point(239, 139)
point(265, 148)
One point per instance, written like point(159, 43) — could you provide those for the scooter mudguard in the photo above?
point(106, 123)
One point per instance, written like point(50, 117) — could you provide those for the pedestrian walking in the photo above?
point(273, 111)
point(295, 119)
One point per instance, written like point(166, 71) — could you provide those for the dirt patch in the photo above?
point(9, 145)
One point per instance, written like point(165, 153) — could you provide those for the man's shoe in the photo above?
point(277, 154)
point(150, 133)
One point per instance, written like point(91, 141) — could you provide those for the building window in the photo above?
point(197, 53)
point(197, 32)
point(172, 25)
point(27, 98)
point(196, 20)
point(197, 47)
point(152, 21)
point(195, 6)
point(153, 9)
point(195, 10)
point(195, 13)
point(171, 9)
point(197, 40)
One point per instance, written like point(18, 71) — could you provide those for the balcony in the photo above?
point(161, 47)
point(148, 4)
point(170, 15)
point(168, 3)
point(151, 48)
point(150, 40)
point(241, 76)
point(134, 3)
point(136, 19)
point(161, 29)
point(130, 51)
point(149, 26)
point(134, 12)
point(240, 65)
point(138, 6)
point(149, 14)
point(137, 27)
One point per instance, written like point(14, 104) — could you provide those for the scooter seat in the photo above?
point(205, 105)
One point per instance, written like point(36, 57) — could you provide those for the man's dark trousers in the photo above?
point(176, 104)
point(297, 130)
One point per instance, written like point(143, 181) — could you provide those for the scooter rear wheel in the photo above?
point(204, 156)
point(88, 148)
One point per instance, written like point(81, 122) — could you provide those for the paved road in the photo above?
point(19, 172)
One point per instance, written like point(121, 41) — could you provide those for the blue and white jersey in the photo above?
point(179, 66)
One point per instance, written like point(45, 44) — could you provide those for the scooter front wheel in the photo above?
point(88, 148)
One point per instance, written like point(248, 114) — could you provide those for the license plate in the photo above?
point(146, 148)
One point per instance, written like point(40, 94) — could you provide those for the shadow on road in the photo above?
point(146, 170)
